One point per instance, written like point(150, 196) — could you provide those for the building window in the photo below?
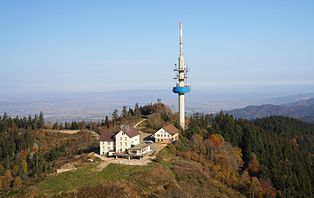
point(120, 143)
point(126, 144)
point(126, 138)
point(121, 138)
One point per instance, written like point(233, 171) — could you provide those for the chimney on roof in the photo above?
point(125, 128)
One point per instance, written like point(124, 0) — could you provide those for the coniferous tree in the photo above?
point(130, 112)
point(41, 120)
point(60, 127)
point(115, 116)
point(55, 126)
point(124, 112)
point(66, 125)
point(137, 111)
point(107, 122)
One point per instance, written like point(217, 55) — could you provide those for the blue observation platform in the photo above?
point(181, 90)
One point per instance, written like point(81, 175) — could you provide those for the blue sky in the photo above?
point(79, 46)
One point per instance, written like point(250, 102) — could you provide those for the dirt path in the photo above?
point(71, 132)
point(103, 164)
point(105, 161)
point(131, 162)
point(96, 135)
point(62, 131)
point(140, 122)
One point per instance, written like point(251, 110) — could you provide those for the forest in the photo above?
point(28, 153)
point(268, 157)
point(275, 149)
point(19, 151)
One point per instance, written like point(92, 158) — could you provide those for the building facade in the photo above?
point(120, 141)
point(139, 150)
point(107, 143)
point(167, 134)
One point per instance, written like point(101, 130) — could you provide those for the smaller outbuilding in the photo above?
point(167, 134)
point(139, 150)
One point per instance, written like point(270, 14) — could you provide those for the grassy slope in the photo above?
point(145, 179)
point(170, 177)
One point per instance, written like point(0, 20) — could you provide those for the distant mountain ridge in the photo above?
point(302, 109)
point(279, 100)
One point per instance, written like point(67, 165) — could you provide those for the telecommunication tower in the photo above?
point(182, 86)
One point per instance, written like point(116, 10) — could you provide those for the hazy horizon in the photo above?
point(96, 105)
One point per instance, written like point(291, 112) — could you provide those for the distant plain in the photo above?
point(96, 105)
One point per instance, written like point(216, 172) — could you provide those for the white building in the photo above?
point(107, 143)
point(126, 138)
point(139, 150)
point(167, 134)
point(120, 142)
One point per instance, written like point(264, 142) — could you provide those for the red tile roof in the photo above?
point(171, 129)
point(107, 136)
point(131, 132)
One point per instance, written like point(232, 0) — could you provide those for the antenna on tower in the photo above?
point(180, 39)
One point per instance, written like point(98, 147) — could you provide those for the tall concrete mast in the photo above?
point(181, 87)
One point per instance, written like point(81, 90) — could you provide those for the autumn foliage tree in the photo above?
point(15, 170)
point(24, 167)
point(17, 181)
point(216, 139)
point(7, 180)
point(254, 166)
point(155, 121)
